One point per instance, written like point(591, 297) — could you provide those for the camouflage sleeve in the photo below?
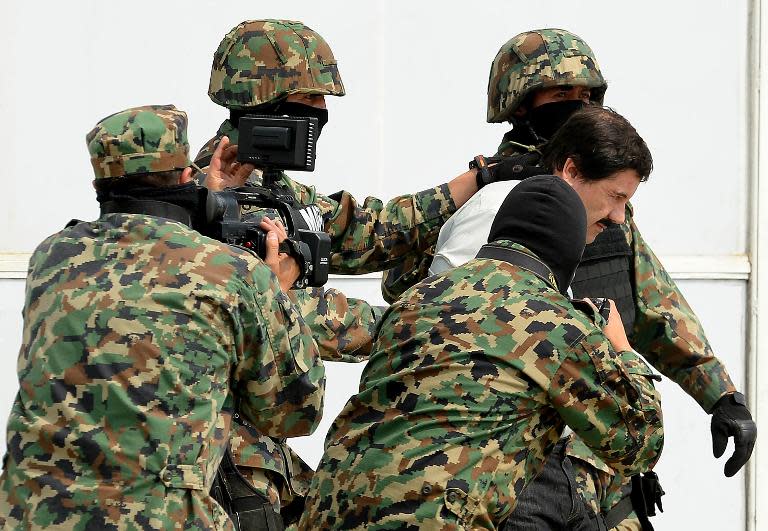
point(279, 377)
point(667, 332)
point(411, 270)
point(343, 327)
point(375, 236)
point(608, 399)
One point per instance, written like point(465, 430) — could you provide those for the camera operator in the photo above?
point(140, 338)
point(277, 68)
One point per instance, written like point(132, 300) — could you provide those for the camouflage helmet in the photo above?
point(145, 139)
point(540, 59)
point(260, 61)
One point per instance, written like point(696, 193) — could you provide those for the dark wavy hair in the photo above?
point(600, 142)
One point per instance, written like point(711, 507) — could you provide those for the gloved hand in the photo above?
point(512, 168)
point(731, 418)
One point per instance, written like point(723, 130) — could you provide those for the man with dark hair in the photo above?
point(537, 81)
point(597, 151)
point(473, 376)
point(140, 334)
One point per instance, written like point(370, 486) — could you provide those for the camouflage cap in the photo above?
point(540, 59)
point(144, 139)
point(259, 61)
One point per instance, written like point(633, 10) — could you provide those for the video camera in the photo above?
point(272, 144)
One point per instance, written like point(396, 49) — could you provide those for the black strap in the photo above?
point(519, 259)
point(204, 161)
point(148, 207)
point(618, 512)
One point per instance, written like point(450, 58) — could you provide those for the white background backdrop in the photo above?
point(416, 77)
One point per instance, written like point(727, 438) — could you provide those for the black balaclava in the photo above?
point(281, 108)
point(546, 119)
point(546, 216)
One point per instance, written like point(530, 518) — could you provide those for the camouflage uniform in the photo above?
point(540, 59)
point(474, 373)
point(261, 62)
point(139, 333)
point(660, 323)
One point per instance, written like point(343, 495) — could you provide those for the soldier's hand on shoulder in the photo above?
point(282, 265)
point(731, 418)
point(224, 170)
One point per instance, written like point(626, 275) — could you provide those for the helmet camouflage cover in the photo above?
point(260, 61)
point(146, 139)
point(540, 59)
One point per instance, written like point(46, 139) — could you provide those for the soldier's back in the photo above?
point(129, 338)
point(453, 416)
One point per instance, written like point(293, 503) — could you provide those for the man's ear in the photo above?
point(570, 173)
point(186, 175)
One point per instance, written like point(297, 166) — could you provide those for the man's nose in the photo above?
point(617, 215)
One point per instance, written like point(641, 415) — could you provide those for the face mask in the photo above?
point(301, 110)
point(546, 119)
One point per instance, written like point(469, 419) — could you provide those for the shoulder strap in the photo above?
point(521, 260)
point(148, 207)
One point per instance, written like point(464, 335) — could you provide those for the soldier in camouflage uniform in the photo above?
point(474, 374)
point(139, 335)
point(283, 67)
point(537, 80)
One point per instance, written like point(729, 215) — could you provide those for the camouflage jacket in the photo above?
point(474, 374)
point(666, 330)
point(364, 238)
point(139, 334)
point(668, 334)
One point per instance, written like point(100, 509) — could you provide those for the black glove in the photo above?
point(731, 418)
point(512, 168)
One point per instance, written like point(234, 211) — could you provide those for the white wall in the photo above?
point(416, 76)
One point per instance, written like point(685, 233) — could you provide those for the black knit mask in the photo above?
point(546, 216)
point(546, 119)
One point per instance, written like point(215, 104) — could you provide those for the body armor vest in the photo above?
point(606, 270)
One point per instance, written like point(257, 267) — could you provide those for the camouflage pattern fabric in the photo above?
point(144, 139)
point(540, 59)
point(139, 335)
point(666, 332)
point(259, 61)
point(669, 335)
point(364, 238)
point(473, 376)
point(343, 327)
point(398, 279)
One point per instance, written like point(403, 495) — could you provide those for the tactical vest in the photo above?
point(606, 270)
